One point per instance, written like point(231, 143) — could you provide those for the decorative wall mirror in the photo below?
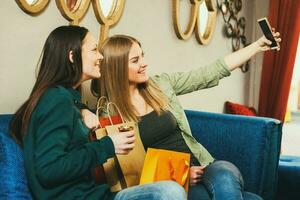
point(202, 20)
point(32, 7)
point(108, 13)
point(73, 10)
point(234, 26)
point(206, 21)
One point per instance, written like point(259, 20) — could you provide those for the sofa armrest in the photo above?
point(251, 143)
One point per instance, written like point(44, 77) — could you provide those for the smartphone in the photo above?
point(266, 29)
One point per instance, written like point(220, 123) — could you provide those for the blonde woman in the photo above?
point(152, 102)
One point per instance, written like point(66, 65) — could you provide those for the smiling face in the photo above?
point(136, 65)
point(90, 58)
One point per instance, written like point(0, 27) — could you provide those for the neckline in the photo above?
point(147, 114)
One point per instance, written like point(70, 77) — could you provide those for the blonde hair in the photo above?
point(114, 82)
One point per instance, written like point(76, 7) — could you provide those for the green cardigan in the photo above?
point(57, 155)
point(181, 83)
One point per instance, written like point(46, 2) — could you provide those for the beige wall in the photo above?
point(260, 10)
point(22, 37)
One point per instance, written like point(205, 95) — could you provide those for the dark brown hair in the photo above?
point(55, 69)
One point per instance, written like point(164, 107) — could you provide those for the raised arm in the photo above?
point(236, 59)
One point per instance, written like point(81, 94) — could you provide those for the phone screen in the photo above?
point(267, 32)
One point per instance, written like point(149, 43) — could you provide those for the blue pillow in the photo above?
point(13, 182)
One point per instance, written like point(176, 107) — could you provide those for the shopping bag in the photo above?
point(98, 172)
point(162, 165)
point(122, 171)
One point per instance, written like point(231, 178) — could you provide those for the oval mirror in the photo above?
point(206, 21)
point(73, 5)
point(108, 13)
point(32, 6)
point(107, 6)
point(203, 18)
point(73, 10)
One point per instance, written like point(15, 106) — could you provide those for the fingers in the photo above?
point(202, 167)
point(277, 37)
point(265, 48)
point(266, 41)
point(196, 173)
point(124, 142)
point(194, 181)
point(127, 134)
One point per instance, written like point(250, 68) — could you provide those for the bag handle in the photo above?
point(100, 104)
point(183, 168)
point(108, 112)
point(100, 107)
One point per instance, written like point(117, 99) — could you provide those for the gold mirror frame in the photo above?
point(111, 19)
point(75, 16)
point(193, 24)
point(33, 9)
point(210, 24)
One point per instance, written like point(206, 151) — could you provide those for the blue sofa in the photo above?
point(251, 143)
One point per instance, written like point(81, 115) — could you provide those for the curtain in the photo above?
point(284, 16)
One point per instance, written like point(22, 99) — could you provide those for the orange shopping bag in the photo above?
point(162, 165)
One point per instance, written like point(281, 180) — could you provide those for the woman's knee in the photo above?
point(170, 190)
point(163, 190)
point(225, 172)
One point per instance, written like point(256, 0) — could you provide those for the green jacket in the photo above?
point(181, 83)
point(57, 155)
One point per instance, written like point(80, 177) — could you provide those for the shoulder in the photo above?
point(160, 78)
point(162, 81)
point(56, 95)
point(55, 98)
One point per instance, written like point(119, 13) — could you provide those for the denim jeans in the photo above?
point(162, 190)
point(221, 181)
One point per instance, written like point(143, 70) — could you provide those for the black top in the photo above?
point(162, 132)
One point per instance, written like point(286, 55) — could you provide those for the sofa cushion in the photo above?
point(239, 109)
point(13, 182)
point(289, 177)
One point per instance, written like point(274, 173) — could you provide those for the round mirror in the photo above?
point(32, 7)
point(31, 2)
point(107, 6)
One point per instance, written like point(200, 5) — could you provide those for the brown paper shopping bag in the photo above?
point(162, 165)
point(98, 172)
point(122, 171)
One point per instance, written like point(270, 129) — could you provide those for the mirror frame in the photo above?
point(210, 24)
point(74, 17)
point(110, 20)
point(34, 9)
point(193, 24)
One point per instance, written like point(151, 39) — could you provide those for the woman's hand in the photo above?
point(90, 119)
point(263, 44)
point(123, 141)
point(238, 58)
point(196, 173)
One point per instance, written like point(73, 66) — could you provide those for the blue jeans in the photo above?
point(162, 190)
point(221, 181)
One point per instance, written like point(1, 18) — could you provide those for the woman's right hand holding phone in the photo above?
point(123, 142)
